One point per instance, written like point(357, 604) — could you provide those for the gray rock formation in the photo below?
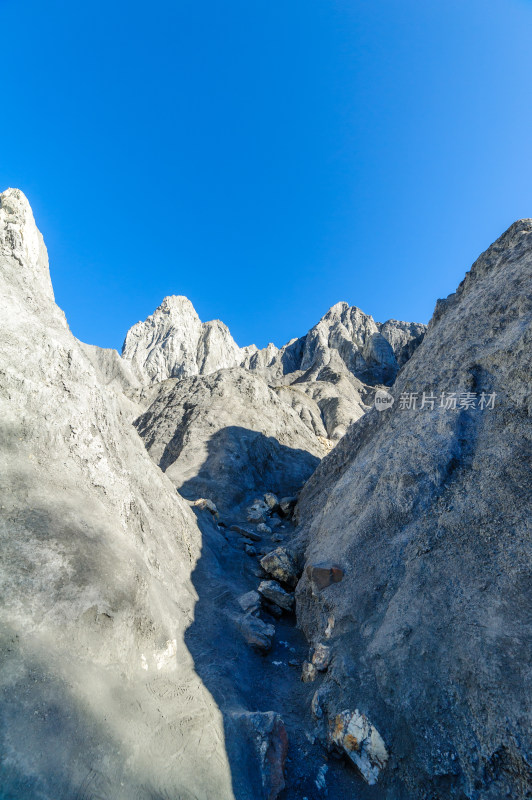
point(322, 376)
point(99, 695)
point(226, 435)
point(426, 511)
point(174, 343)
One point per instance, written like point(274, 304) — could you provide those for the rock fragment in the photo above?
point(244, 532)
point(249, 602)
point(287, 505)
point(280, 565)
point(321, 657)
point(330, 627)
point(271, 500)
point(276, 594)
point(323, 575)
point(258, 634)
point(320, 782)
point(308, 672)
point(205, 504)
point(266, 733)
point(257, 511)
point(263, 528)
point(354, 734)
point(316, 705)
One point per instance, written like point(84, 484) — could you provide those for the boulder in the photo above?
point(281, 566)
point(321, 657)
point(276, 594)
point(258, 634)
point(317, 702)
point(249, 602)
point(244, 532)
point(263, 528)
point(205, 504)
point(354, 734)
point(272, 608)
point(271, 500)
point(287, 505)
point(323, 575)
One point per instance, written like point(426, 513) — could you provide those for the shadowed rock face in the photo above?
point(99, 696)
point(427, 512)
point(226, 436)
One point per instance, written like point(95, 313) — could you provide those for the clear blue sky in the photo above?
point(266, 158)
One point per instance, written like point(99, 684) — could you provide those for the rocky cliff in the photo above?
point(174, 343)
point(99, 695)
point(423, 510)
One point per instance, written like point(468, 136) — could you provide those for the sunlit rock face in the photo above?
point(174, 343)
point(99, 693)
point(425, 508)
point(326, 377)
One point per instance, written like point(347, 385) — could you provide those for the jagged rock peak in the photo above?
point(21, 240)
point(174, 343)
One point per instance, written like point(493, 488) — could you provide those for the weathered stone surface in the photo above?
point(308, 672)
point(361, 741)
point(174, 343)
point(429, 508)
point(266, 734)
point(95, 581)
point(250, 550)
point(318, 701)
point(323, 575)
point(271, 500)
point(249, 602)
point(257, 633)
point(225, 435)
point(321, 657)
point(258, 511)
point(206, 505)
point(281, 566)
point(244, 532)
point(272, 591)
point(263, 528)
point(287, 505)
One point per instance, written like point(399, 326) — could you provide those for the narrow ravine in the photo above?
point(244, 678)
